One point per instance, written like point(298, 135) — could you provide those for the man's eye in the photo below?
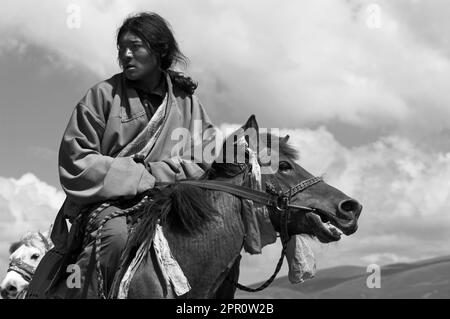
point(135, 47)
point(132, 47)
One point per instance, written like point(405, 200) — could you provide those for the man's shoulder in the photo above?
point(109, 85)
point(100, 96)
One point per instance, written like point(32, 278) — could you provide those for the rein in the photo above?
point(280, 200)
point(22, 268)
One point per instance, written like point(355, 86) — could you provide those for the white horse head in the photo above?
point(25, 257)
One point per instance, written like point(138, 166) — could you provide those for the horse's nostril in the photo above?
point(4, 294)
point(350, 208)
point(11, 288)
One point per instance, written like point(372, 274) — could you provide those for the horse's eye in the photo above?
point(35, 256)
point(284, 166)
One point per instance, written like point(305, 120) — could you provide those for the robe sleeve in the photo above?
point(86, 175)
point(188, 164)
point(174, 169)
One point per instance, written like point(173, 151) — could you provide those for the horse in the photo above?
point(25, 256)
point(206, 227)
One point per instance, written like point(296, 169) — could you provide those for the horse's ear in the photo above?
point(251, 123)
point(50, 231)
point(285, 139)
point(251, 133)
point(14, 246)
point(233, 148)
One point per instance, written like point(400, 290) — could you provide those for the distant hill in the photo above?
point(422, 279)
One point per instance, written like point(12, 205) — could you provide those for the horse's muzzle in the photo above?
point(349, 209)
point(9, 292)
point(348, 213)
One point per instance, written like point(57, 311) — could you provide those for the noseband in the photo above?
point(284, 206)
point(284, 197)
point(24, 269)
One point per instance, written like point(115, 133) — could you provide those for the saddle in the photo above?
point(52, 270)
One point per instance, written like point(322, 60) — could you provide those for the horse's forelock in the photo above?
point(285, 148)
point(32, 239)
point(289, 151)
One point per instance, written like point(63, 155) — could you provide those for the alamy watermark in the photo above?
point(73, 20)
point(374, 279)
point(74, 279)
point(374, 17)
point(231, 146)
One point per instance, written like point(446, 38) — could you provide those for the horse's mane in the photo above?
point(185, 207)
point(182, 207)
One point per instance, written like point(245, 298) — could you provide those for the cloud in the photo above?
point(92, 45)
point(413, 15)
point(385, 258)
point(319, 62)
point(312, 62)
point(26, 204)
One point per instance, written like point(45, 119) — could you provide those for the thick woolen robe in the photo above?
point(108, 127)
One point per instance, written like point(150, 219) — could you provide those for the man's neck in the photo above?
point(150, 83)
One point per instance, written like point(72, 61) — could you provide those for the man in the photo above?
point(117, 145)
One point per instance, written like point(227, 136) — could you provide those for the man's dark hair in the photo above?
point(157, 35)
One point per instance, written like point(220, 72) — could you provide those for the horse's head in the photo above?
point(25, 257)
point(332, 212)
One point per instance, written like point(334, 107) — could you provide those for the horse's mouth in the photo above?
point(324, 228)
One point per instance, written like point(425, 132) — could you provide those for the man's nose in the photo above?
point(128, 53)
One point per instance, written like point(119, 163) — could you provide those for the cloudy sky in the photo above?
point(361, 86)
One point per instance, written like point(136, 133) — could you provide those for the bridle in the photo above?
point(284, 197)
point(24, 269)
point(279, 200)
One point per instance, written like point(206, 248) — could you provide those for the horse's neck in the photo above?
point(223, 175)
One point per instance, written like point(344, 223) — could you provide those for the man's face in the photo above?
point(137, 60)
